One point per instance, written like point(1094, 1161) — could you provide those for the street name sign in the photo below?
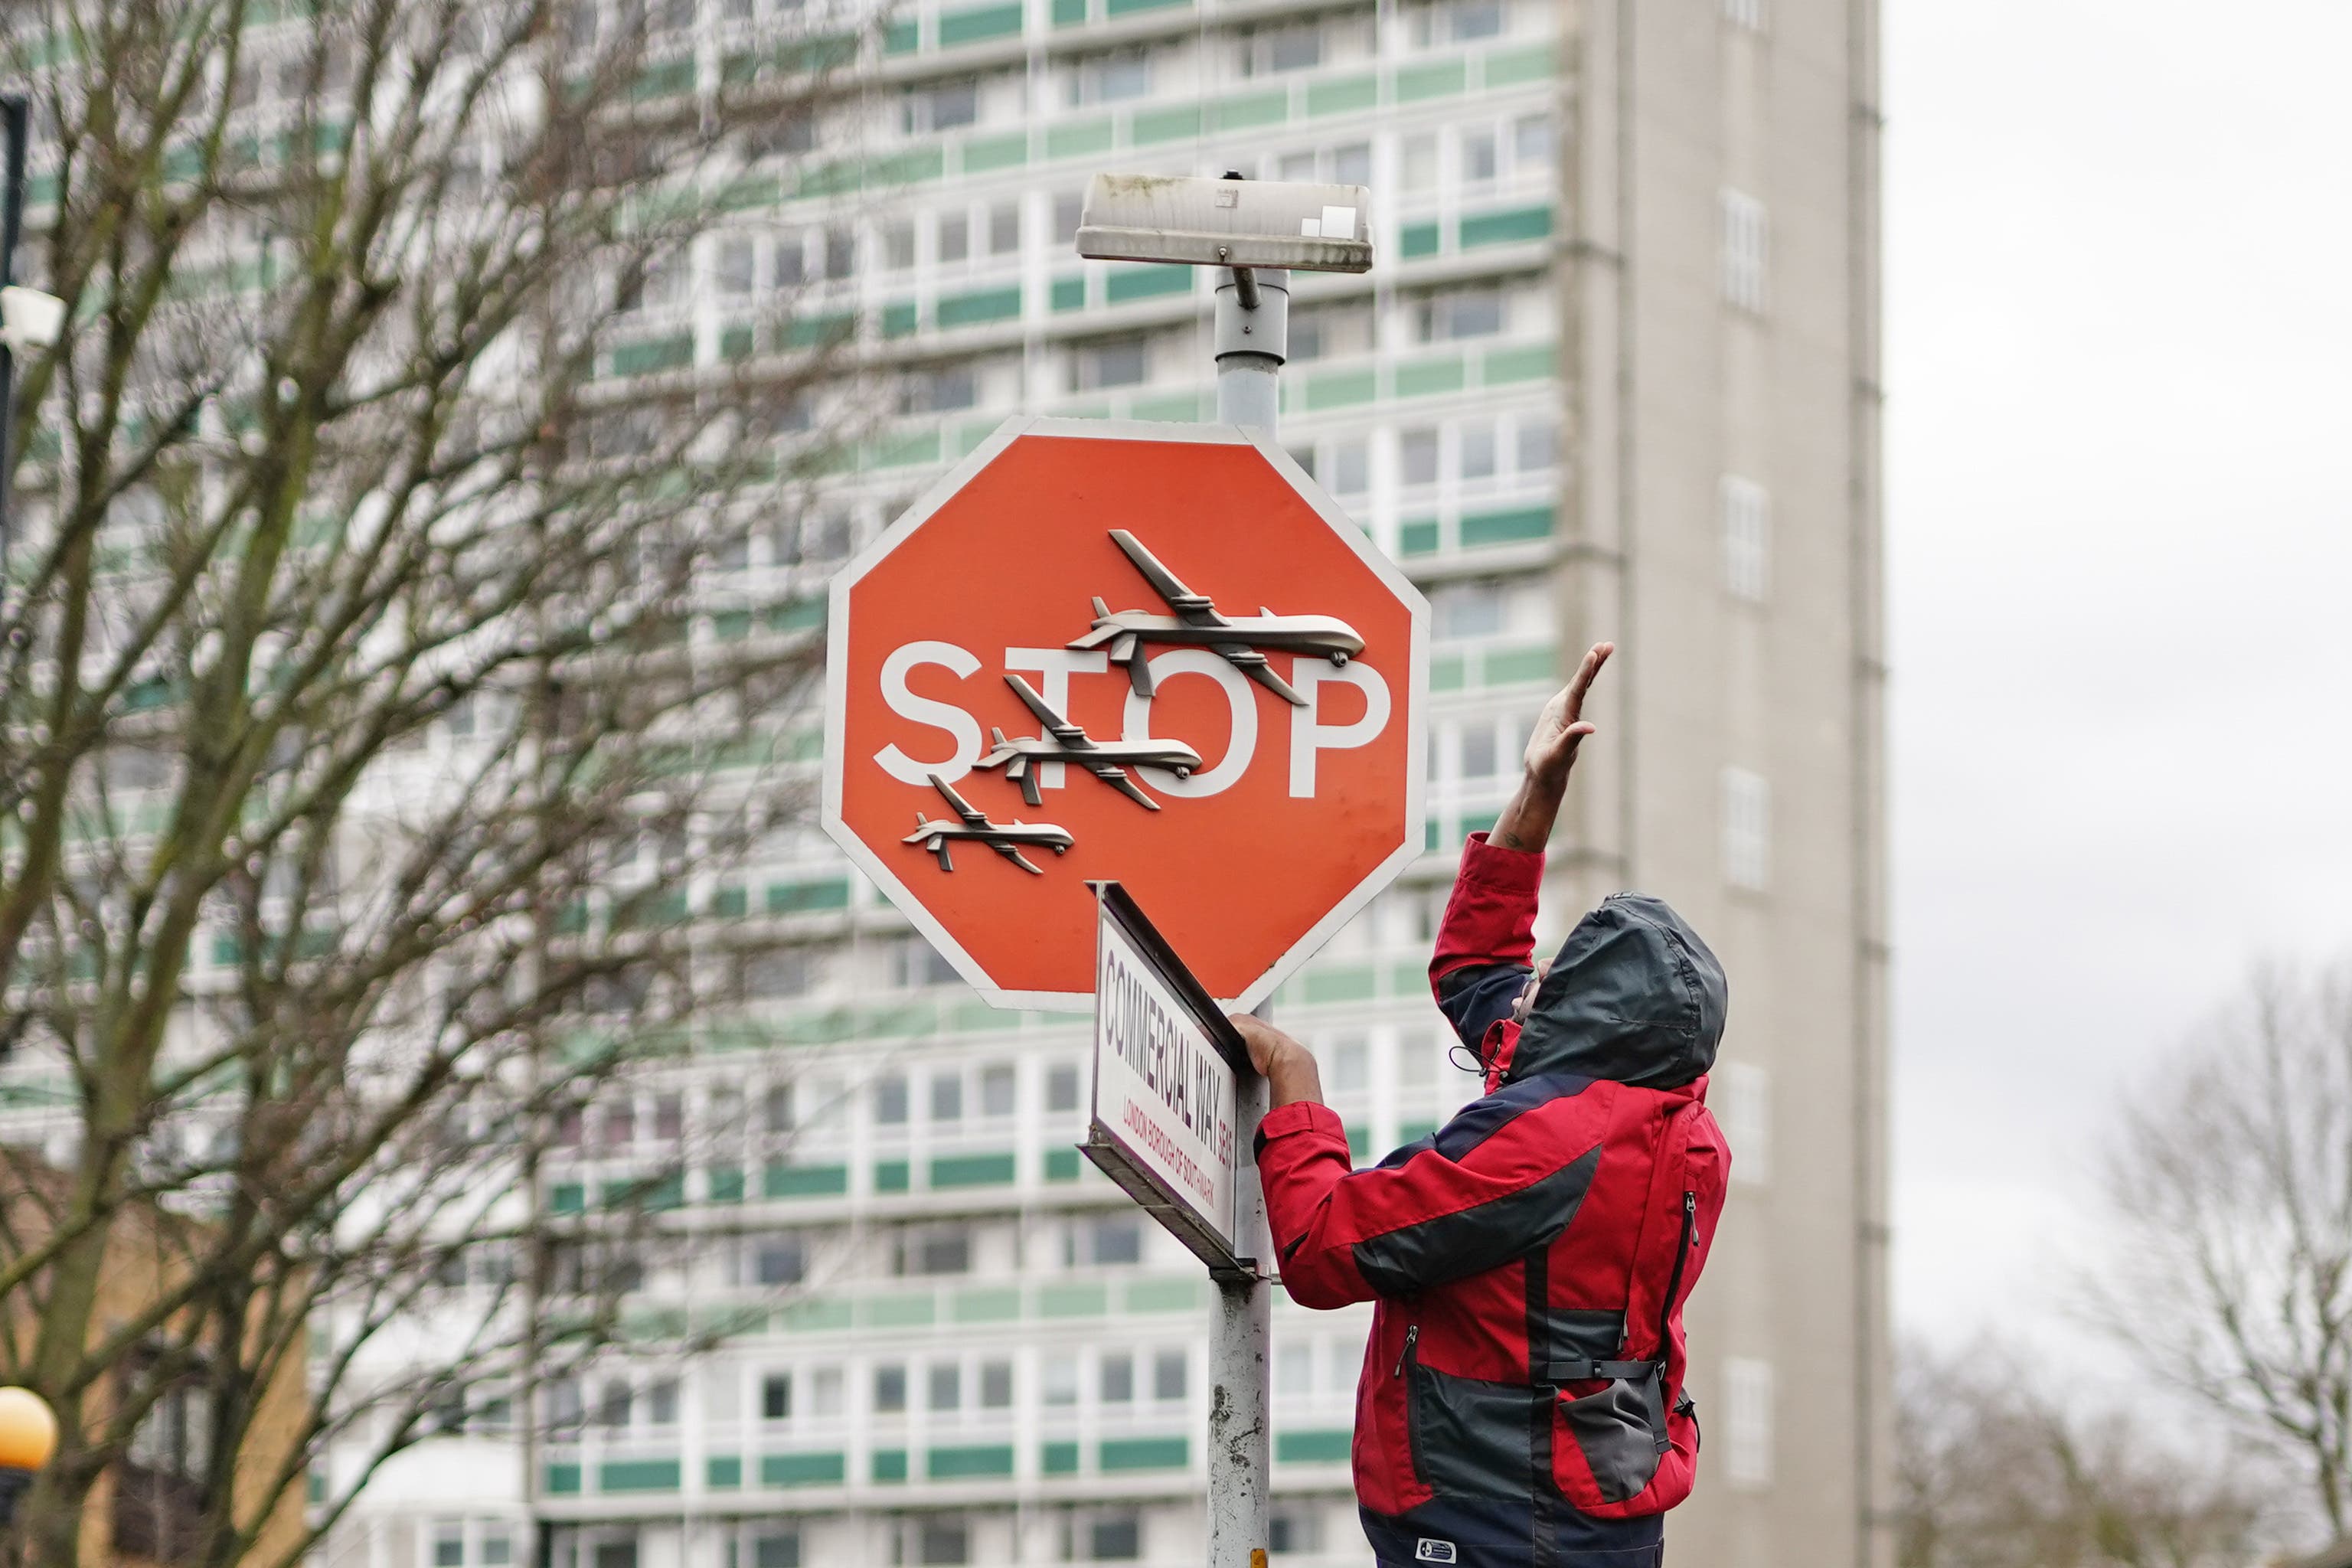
point(1167, 1082)
point(1105, 650)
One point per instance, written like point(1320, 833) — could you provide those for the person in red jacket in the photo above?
point(1521, 1402)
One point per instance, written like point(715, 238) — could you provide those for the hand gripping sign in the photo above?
point(1110, 651)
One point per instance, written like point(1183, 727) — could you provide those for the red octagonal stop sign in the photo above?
point(1154, 654)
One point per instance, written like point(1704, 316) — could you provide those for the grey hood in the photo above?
point(1634, 995)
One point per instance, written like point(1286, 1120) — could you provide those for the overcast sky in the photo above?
point(2119, 303)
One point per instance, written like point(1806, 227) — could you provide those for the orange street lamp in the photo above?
point(29, 1436)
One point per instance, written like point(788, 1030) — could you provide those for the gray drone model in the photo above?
point(1007, 839)
point(1197, 623)
point(1064, 741)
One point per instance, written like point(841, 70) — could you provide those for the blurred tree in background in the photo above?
point(2000, 1466)
point(370, 730)
point(2229, 1207)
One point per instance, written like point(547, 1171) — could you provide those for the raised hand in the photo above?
point(1561, 727)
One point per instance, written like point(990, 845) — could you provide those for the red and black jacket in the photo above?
point(1531, 1257)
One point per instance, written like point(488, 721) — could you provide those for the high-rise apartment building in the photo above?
point(1613, 375)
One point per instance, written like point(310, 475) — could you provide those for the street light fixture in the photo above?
point(29, 1436)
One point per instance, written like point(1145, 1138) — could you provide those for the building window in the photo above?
point(1295, 1527)
point(1004, 228)
point(942, 108)
point(498, 1547)
point(1748, 1421)
point(889, 1389)
point(996, 1384)
point(1747, 829)
point(662, 1401)
point(890, 1102)
point(1110, 79)
point(1417, 456)
point(1747, 516)
point(1293, 1369)
point(1748, 14)
point(940, 1541)
point(946, 1386)
point(946, 1097)
point(1106, 1238)
point(776, 1550)
point(1116, 1378)
point(1110, 1537)
point(934, 1249)
point(999, 1090)
point(1744, 1097)
point(1462, 313)
point(776, 1396)
point(1746, 245)
point(448, 1544)
point(1119, 361)
point(1062, 1087)
point(1168, 1375)
point(1059, 1381)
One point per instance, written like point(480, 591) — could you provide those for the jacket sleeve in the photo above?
point(1490, 1185)
point(1486, 941)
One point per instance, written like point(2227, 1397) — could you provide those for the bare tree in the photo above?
point(379, 711)
point(1997, 1466)
point(2230, 1198)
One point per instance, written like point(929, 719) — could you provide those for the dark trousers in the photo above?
point(1478, 1533)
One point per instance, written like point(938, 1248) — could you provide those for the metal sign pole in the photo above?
point(1253, 337)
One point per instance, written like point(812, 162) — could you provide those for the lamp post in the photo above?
point(1256, 232)
point(29, 1436)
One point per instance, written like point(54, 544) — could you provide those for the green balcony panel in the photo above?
point(1478, 822)
point(1183, 407)
point(735, 343)
point(1059, 1458)
point(1251, 110)
point(889, 1464)
point(978, 23)
point(1414, 1131)
point(1508, 68)
point(731, 626)
point(906, 447)
point(901, 38)
point(1448, 672)
point(1069, 13)
point(1340, 388)
point(1418, 537)
point(972, 1170)
point(800, 614)
point(637, 1476)
point(983, 155)
point(999, 1304)
point(1351, 984)
point(810, 1469)
point(729, 902)
point(568, 1197)
point(1329, 1446)
point(1510, 667)
point(908, 168)
point(898, 318)
point(1177, 124)
point(1129, 7)
point(1505, 365)
point(726, 1183)
point(805, 1181)
point(1513, 527)
point(968, 1461)
point(561, 1480)
point(1359, 1142)
point(1433, 80)
point(1072, 1300)
point(1430, 377)
point(1069, 294)
point(665, 80)
point(893, 1176)
point(906, 1309)
point(1080, 139)
point(981, 306)
point(651, 358)
point(751, 191)
point(1179, 1295)
point(821, 1315)
point(803, 898)
point(1344, 95)
point(1146, 1452)
point(1510, 226)
point(1132, 281)
point(820, 331)
point(722, 1472)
